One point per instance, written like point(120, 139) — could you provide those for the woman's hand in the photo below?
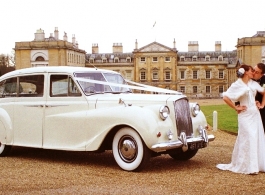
point(260, 106)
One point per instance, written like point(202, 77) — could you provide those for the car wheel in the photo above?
point(180, 155)
point(4, 149)
point(129, 151)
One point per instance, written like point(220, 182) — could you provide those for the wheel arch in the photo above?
point(107, 142)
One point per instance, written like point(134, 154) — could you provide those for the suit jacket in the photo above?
point(262, 82)
point(259, 98)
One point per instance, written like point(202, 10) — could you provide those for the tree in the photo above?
point(7, 63)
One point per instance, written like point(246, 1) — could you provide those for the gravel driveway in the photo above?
point(37, 171)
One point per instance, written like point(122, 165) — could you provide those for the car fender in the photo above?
point(5, 127)
point(144, 120)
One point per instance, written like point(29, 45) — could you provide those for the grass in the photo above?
point(226, 117)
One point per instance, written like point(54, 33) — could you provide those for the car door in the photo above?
point(29, 108)
point(64, 114)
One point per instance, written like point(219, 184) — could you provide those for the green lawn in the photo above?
point(226, 117)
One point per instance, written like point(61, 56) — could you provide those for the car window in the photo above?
point(23, 86)
point(92, 87)
point(31, 86)
point(63, 86)
point(8, 88)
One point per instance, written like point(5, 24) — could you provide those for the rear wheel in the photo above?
point(4, 149)
point(129, 151)
point(180, 155)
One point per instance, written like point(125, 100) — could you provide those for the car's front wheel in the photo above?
point(129, 151)
point(4, 149)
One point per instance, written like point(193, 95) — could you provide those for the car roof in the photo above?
point(54, 69)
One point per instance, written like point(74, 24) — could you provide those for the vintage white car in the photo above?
point(89, 109)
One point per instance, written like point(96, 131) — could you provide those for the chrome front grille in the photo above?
point(183, 117)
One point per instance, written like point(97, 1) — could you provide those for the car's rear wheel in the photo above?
point(180, 155)
point(129, 151)
point(4, 149)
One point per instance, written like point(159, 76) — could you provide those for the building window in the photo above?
point(195, 74)
point(221, 74)
point(91, 60)
point(220, 58)
point(207, 58)
point(155, 76)
point(116, 60)
point(128, 75)
point(167, 75)
point(142, 75)
point(195, 89)
point(155, 59)
point(142, 59)
point(208, 89)
point(182, 89)
point(182, 58)
point(104, 60)
point(207, 74)
point(128, 59)
point(194, 58)
point(167, 59)
point(39, 58)
point(221, 89)
point(182, 74)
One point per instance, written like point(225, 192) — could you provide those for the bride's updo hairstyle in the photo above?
point(242, 69)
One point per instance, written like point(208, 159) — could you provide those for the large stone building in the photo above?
point(49, 51)
point(195, 73)
point(201, 74)
point(251, 50)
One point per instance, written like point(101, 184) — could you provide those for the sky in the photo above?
point(105, 22)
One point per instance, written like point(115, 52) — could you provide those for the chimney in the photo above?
point(94, 48)
point(117, 48)
point(218, 46)
point(65, 37)
point(73, 39)
point(39, 35)
point(56, 33)
point(136, 44)
point(174, 44)
point(193, 46)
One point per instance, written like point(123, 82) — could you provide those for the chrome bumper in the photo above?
point(183, 142)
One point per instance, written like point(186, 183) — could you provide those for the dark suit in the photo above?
point(259, 98)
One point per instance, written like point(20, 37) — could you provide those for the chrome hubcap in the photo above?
point(128, 148)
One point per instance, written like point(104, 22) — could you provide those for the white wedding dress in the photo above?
point(249, 150)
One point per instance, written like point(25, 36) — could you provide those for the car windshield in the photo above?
point(91, 87)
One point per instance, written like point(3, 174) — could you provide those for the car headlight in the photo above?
point(164, 112)
point(195, 109)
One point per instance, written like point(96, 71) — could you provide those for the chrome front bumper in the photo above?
point(183, 142)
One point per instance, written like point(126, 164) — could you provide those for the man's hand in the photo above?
point(240, 109)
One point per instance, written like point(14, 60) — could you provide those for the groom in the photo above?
point(259, 71)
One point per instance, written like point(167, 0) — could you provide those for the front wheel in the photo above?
point(180, 155)
point(129, 151)
point(4, 149)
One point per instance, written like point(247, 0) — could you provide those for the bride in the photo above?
point(248, 155)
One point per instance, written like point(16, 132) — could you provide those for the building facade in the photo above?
point(198, 74)
point(49, 51)
point(251, 50)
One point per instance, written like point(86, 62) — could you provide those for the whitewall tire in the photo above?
point(129, 151)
